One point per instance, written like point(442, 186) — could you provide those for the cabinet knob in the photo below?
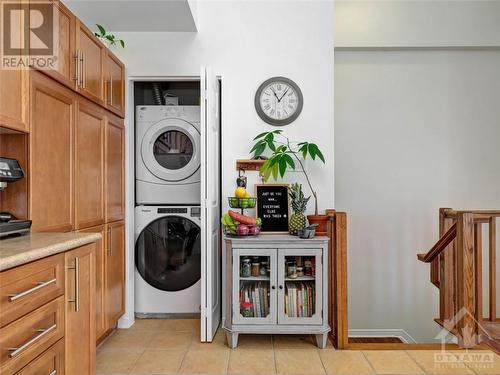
point(273, 287)
point(281, 286)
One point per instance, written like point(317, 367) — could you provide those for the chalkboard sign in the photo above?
point(273, 207)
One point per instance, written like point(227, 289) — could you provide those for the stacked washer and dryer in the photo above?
point(167, 213)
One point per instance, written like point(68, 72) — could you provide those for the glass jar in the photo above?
point(245, 268)
point(300, 271)
point(292, 270)
point(246, 309)
point(308, 268)
point(255, 269)
point(263, 268)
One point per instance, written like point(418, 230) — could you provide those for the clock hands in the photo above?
point(282, 96)
point(274, 92)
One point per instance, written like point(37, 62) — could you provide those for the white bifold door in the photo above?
point(210, 210)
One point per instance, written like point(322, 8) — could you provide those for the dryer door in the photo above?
point(167, 253)
point(170, 149)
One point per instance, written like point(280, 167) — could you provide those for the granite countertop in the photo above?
point(17, 251)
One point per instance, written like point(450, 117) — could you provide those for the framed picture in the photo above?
point(273, 207)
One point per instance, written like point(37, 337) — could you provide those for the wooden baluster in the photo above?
point(492, 268)
point(478, 251)
point(466, 325)
point(447, 277)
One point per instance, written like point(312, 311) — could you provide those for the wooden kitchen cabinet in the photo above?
point(80, 313)
point(100, 282)
point(90, 70)
point(115, 84)
point(65, 69)
point(89, 165)
point(114, 169)
point(115, 272)
point(51, 155)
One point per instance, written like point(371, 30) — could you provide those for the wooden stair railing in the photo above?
point(456, 269)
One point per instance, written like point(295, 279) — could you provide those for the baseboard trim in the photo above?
point(404, 336)
point(126, 322)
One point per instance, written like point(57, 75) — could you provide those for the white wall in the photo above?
point(246, 42)
point(421, 23)
point(415, 129)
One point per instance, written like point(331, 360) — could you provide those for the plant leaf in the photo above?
point(259, 150)
point(257, 145)
point(122, 43)
point(101, 29)
point(303, 150)
point(288, 159)
point(260, 135)
point(320, 154)
point(275, 171)
point(282, 166)
point(312, 150)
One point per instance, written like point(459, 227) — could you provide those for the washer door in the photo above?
point(167, 253)
point(171, 149)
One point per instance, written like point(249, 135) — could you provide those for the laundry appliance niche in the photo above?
point(177, 199)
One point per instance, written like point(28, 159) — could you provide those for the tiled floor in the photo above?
point(173, 347)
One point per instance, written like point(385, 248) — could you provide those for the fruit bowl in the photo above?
point(242, 230)
point(242, 202)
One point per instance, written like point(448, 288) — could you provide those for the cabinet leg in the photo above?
point(321, 340)
point(232, 339)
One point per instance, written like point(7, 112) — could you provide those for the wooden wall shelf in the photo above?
point(249, 164)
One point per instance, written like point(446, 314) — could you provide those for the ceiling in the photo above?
point(133, 15)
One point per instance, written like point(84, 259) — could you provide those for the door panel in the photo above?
point(115, 272)
point(51, 155)
point(115, 84)
point(100, 279)
point(210, 181)
point(115, 172)
point(300, 286)
point(66, 62)
point(92, 52)
point(80, 313)
point(89, 165)
point(254, 293)
point(14, 95)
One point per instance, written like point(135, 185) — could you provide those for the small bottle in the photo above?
point(245, 268)
point(255, 269)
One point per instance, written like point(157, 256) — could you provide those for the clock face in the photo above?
point(278, 101)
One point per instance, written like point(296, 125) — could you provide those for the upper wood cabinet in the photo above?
point(51, 155)
point(115, 272)
point(89, 165)
point(115, 84)
point(65, 71)
point(80, 313)
point(90, 54)
point(114, 169)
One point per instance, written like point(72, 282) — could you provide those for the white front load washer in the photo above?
point(167, 260)
point(168, 152)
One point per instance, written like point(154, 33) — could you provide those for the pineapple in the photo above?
point(299, 205)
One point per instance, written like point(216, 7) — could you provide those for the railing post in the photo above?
point(446, 271)
point(493, 267)
point(466, 324)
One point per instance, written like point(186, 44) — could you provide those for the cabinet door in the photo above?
point(115, 272)
point(14, 85)
point(100, 279)
point(254, 286)
point(51, 155)
point(91, 53)
point(89, 165)
point(80, 313)
point(114, 169)
point(300, 286)
point(115, 84)
point(65, 69)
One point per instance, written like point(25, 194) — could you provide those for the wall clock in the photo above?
point(278, 101)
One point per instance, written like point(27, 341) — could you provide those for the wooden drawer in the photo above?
point(27, 287)
point(29, 336)
point(50, 362)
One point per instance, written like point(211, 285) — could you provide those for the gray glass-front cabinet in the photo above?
point(276, 284)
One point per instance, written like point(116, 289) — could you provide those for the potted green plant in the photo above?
point(287, 154)
point(110, 39)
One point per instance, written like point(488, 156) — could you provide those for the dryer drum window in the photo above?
point(173, 149)
point(167, 253)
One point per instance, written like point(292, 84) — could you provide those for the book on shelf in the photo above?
point(299, 299)
point(256, 293)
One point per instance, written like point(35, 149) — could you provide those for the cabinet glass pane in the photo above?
point(254, 286)
point(300, 286)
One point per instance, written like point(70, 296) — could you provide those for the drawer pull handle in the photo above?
point(43, 332)
point(40, 285)
point(53, 372)
point(76, 300)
